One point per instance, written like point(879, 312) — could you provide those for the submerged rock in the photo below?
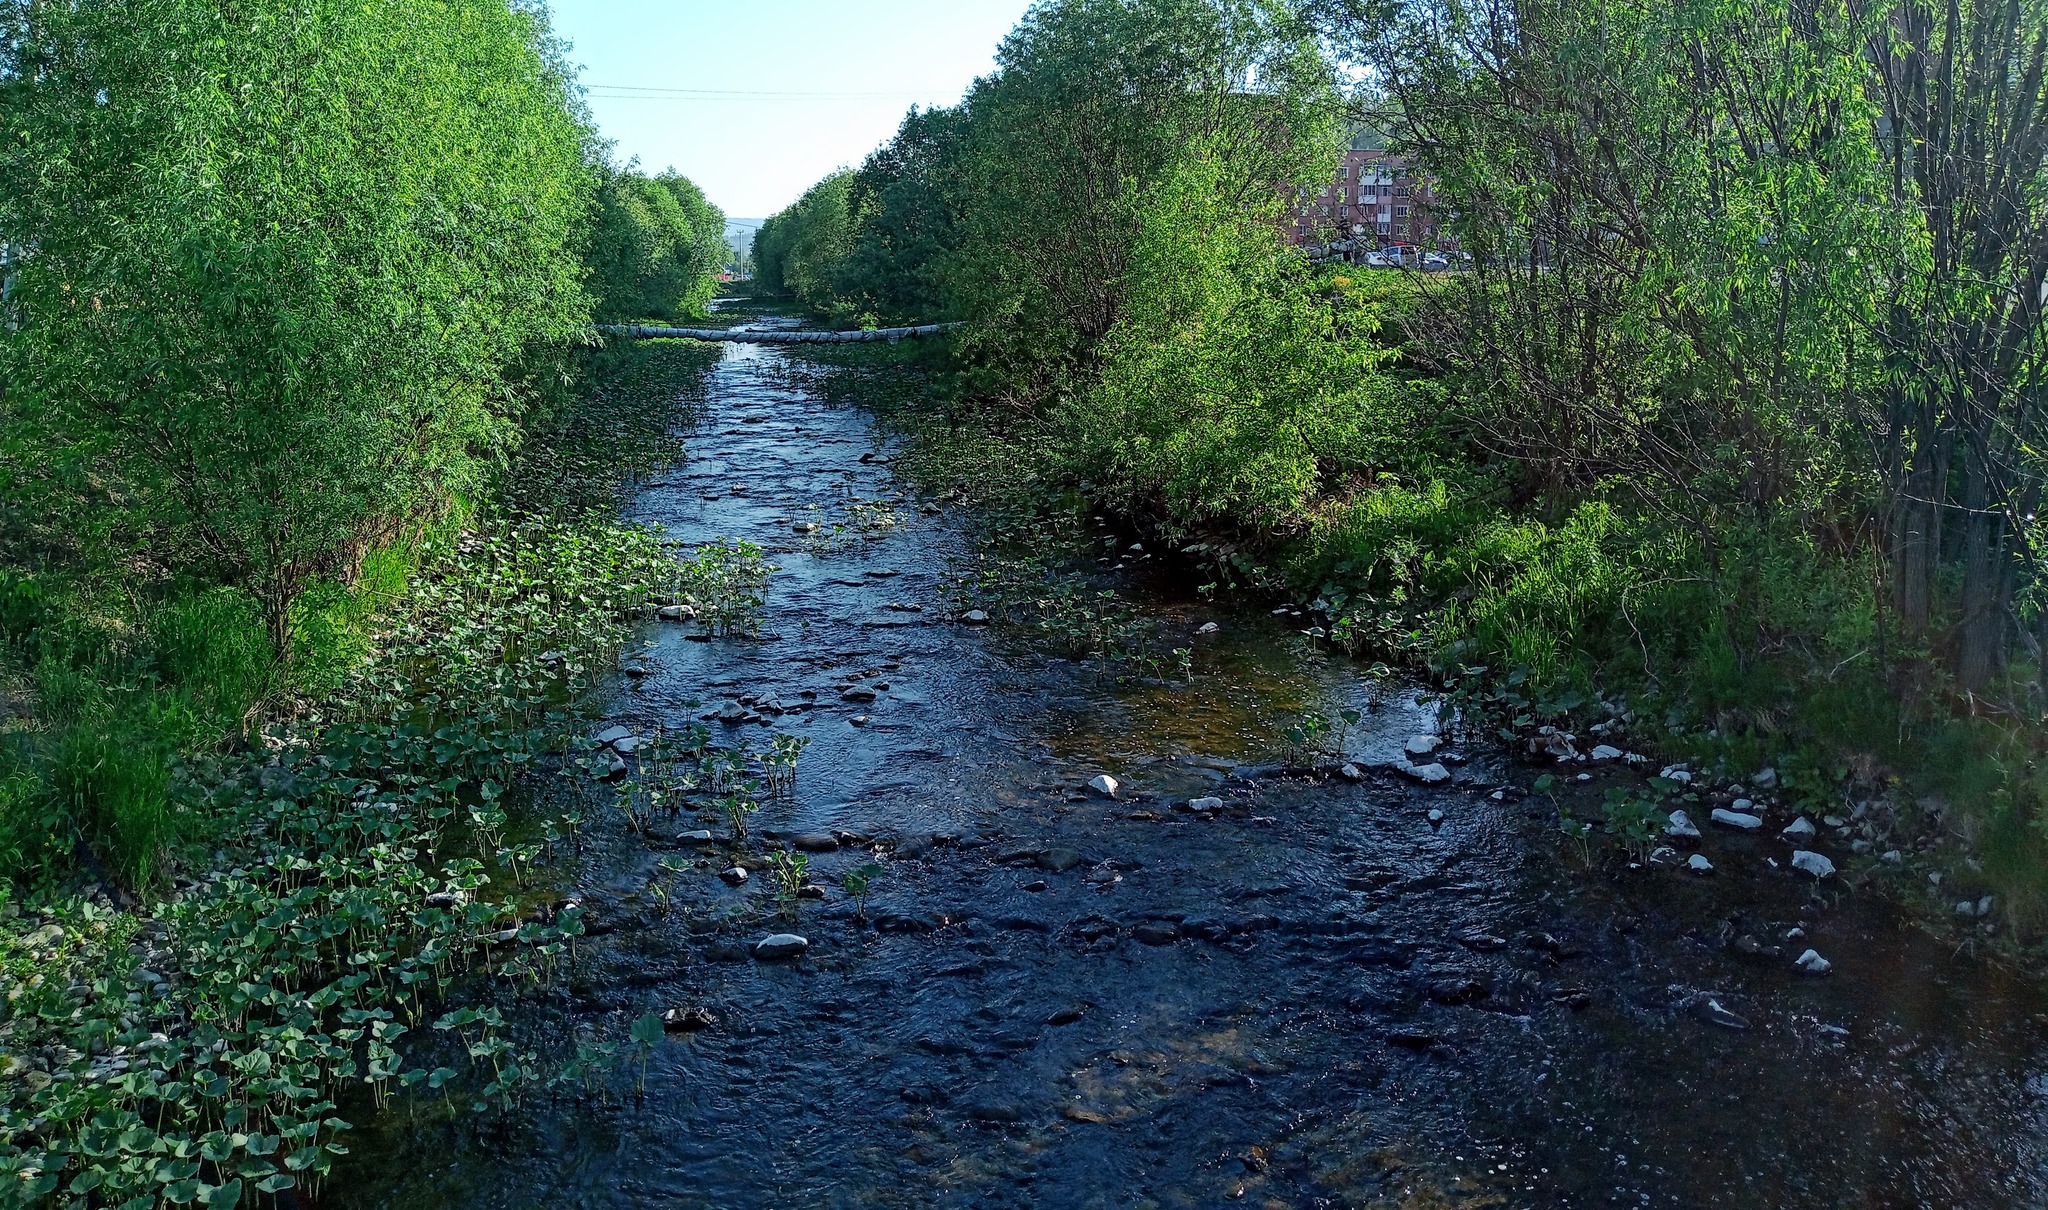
point(777, 946)
point(1726, 1018)
point(1205, 804)
point(974, 617)
point(612, 735)
point(687, 1020)
point(735, 875)
point(1351, 772)
point(1423, 745)
point(816, 842)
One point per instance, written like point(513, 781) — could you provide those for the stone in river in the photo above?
point(1104, 784)
point(1205, 804)
point(817, 842)
point(1715, 1014)
point(1736, 819)
point(1059, 861)
point(1799, 829)
point(675, 613)
point(1813, 863)
point(777, 946)
point(1159, 932)
point(1207, 628)
point(858, 693)
point(612, 735)
point(1812, 963)
point(1351, 772)
point(736, 875)
point(974, 617)
point(1423, 745)
point(1428, 775)
point(1698, 864)
point(1682, 827)
point(700, 836)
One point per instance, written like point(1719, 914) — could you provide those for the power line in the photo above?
point(637, 92)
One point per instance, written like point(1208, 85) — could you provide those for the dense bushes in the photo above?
point(797, 252)
point(284, 284)
point(657, 248)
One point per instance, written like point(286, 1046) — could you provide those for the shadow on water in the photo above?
point(1308, 995)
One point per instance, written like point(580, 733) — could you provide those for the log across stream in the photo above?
point(1308, 994)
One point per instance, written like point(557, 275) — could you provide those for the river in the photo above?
point(1313, 995)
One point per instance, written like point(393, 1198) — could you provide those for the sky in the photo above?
point(755, 100)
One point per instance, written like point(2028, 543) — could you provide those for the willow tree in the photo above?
point(283, 261)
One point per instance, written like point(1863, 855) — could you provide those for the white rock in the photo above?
point(1636, 758)
point(1984, 906)
point(675, 613)
point(1604, 753)
point(1834, 821)
point(1698, 864)
point(1207, 628)
point(1429, 775)
point(1682, 827)
point(974, 617)
point(1435, 815)
point(1799, 829)
point(1351, 773)
point(1205, 804)
point(1104, 784)
point(1812, 963)
point(1766, 779)
point(627, 745)
point(700, 836)
point(1743, 805)
point(1816, 864)
point(780, 945)
point(1677, 773)
point(1736, 819)
point(1423, 745)
point(1663, 855)
point(1892, 856)
point(1965, 908)
point(612, 735)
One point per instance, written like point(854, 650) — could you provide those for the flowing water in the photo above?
point(1312, 996)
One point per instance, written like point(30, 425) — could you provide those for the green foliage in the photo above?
point(283, 268)
point(656, 248)
point(797, 252)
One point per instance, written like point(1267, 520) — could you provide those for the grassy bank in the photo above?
point(344, 895)
point(1736, 648)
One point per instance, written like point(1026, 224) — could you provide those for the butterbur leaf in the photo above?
point(647, 1030)
point(276, 1182)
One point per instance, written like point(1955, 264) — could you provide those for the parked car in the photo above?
point(1435, 261)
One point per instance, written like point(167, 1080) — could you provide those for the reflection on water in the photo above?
point(1312, 996)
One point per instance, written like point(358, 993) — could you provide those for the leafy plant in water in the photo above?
point(738, 807)
point(790, 870)
point(859, 883)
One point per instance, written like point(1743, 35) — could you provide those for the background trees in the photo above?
point(656, 248)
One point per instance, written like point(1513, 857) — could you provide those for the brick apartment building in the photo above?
point(1375, 203)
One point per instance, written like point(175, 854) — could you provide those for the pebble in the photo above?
point(1723, 1017)
point(1743, 805)
point(735, 876)
point(1156, 933)
point(974, 617)
point(816, 842)
point(1677, 773)
point(674, 613)
point(1207, 628)
point(1812, 963)
point(1423, 745)
point(614, 765)
point(1663, 855)
point(1736, 819)
point(860, 720)
point(805, 527)
point(1435, 815)
point(1682, 827)
point(731, 712)
point(700, 836)
point(1604, 753)
point(776, 946)
point(1698, 864)
point(1816, 864)
point(1351, 772)
point(1104, 784)
point(612, 735)
point(1799, 828)
point(1205, 804)
point(1428, 775)
point(627, 746)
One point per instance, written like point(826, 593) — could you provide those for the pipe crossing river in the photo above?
point(737, 336)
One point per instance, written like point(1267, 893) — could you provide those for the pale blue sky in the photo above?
point(840, 76)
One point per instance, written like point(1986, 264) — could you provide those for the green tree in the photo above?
point(656, 248)
point(285, 263)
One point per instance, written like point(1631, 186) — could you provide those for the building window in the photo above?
point(1400, 212)
point(1402, 191)
point(1344, 211)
